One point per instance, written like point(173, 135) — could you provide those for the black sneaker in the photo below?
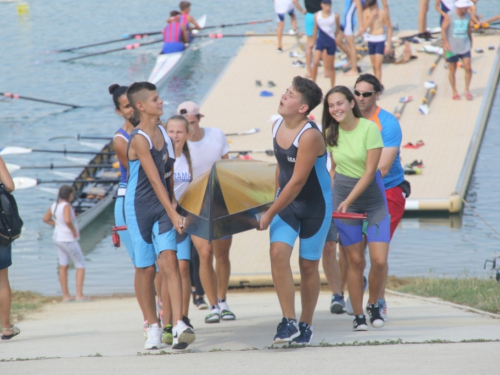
point(359, 323)
point(186, 320)
point(373, 310)
point(306, 335)
point(201, 304)
point(287, 330)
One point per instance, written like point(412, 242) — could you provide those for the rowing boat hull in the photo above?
point(168, 63)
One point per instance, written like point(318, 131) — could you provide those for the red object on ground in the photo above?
point(416, 145)
point(348, 215)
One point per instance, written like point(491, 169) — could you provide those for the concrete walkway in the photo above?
point(105, 336)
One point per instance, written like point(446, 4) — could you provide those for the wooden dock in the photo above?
point(452, 131)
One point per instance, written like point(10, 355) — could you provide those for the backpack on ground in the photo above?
point(10, 221)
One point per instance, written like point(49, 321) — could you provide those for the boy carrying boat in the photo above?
point(175, 35)
point(151, 217)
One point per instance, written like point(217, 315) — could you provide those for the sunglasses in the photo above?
point(364, 94)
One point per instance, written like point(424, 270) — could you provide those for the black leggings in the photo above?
point(194, 271)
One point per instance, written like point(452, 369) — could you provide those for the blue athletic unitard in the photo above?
point(120, 201)
point(149, 226)
point(309, 215)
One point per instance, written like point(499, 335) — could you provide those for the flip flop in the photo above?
point(456, 97)
point(258, 83)
point(266, 94)
point(419, 144)
point(85, 299)
point(15, 331)
point(469, 96)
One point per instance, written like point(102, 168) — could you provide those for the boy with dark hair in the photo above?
point(150, 214)
point(303, 208)
point(186, 18)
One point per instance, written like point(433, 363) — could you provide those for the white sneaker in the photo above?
point(183, 336)
point(348, 306)
point(153, 340)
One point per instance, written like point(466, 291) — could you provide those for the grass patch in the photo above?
point(482, 294)
point(24, 302)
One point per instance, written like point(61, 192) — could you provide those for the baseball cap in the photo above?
point(463, 3)
point(189, 109)
point(326, 1)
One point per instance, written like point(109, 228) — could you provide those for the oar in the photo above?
point(123, 37)
point(348, 215)
point(79, 136)
point(220, 35)
point(17, 96)
point(11, 150)
point(399, 112)
point(127, 47)
point(14, 167)
point(434, 64)
point(267, 152)
point(28, 182)
point(420, 35)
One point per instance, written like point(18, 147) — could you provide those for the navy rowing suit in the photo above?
point(148, 224)
point(308, 216)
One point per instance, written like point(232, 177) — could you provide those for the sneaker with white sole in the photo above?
point(153, 340)
point(348, 304)
point(373, 310)
point(359, 323)
point(337, 306)
point(383, 309)
point(183, 335)
point(287, 330)
point(305, 337)
point(167, 336)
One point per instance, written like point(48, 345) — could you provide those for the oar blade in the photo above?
point(24, 182)
point(11, 150)
point(12, 167)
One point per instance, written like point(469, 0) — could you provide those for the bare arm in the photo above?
point(387, 159)
point(337, 25)
point(372, 160)
point(359, 8)
point(193, 21)
point(299, 8)
point(5, 177)
point(120, 147)
point(68, 221)
point(310, 140)
point(493, 19)
point(141, 148)
point(315, 29)
point(332, 171)
point(388, 42)
point(47, 218)
point(444, 27)
point(367, 20)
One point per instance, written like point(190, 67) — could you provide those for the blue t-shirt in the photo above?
point(392, 136)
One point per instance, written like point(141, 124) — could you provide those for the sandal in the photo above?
point(15, 331)
point(469, 96)
point(456, 97)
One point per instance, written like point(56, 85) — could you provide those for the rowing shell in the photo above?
point(166, 63)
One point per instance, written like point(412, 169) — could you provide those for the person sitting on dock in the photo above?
point(457, 43)
point(186, 18)
point(175, 35)
point(379, 43)
point(151, 217)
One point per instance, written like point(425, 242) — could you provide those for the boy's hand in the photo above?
point(387, 48)
point(446, 46)
point(178, 222)
point(264, 222)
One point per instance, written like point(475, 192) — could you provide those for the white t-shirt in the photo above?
point(62, 233)
point(212, 147)
point(182, 176)
point(283, 6)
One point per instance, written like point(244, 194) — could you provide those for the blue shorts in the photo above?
point(377, 226)
point(333, 234)
point(120, 221)
point(145, 253)
point(309, 24)
point(173, 47)
point(324, 42)
point(183, 246)
point(281, 16)
point(312, 231)
point(5, 257)
point(376, 48)
point(453, 57)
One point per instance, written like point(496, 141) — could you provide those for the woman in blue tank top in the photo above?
point(120, 142)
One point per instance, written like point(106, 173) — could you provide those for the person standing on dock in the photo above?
point(356, 145)
point(120, 144)
point(208, 145)
point(151, 217)
point(311, 8)
point(66, 234)
point(457, 43)
point(282, 8)
point(326, 27)
point(302, 208)
point(367, 91)
point(175, 35)
point(379, 43)
point(9, 330)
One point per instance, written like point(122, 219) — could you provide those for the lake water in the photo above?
point(444, 245)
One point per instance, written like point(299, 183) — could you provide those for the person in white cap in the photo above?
point(207, 145)
point(457, 43)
